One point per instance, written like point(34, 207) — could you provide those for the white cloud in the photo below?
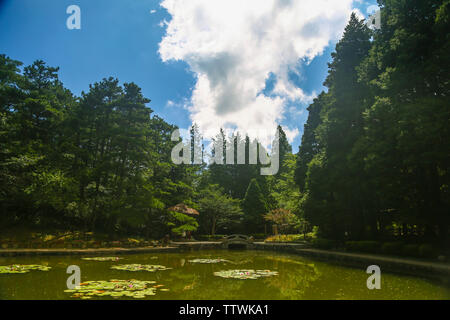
point(163, 23)
point(291, 134)
point(152, 11)
point(232, 47)
point(359, 14)
point(179, 104)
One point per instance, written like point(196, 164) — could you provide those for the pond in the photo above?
point(198, 276)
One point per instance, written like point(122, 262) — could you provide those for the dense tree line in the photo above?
point(96, 161)
point(256, 194)
point(374, 161)
point(102, 162)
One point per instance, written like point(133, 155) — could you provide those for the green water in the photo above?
point(298, 278)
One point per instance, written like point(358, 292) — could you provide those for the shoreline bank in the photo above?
point(405, 266)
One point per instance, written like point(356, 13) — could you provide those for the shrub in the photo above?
point(130, 243)
point(76, 243)
point(392, 248)
point(323, 243)
point(363, 246)
point(283, 238)
point(311, 235)
point(411, 250)
point(258, 236)
point(427, 251)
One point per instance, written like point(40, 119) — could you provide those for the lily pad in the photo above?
point(136, 289)
point(17, 268)
point(140, 267)
point(245, 274)
point(208, 260)
point(102, 259)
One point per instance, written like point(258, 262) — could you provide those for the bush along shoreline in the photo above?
point(74, 241)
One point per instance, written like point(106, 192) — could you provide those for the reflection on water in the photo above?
point(298, 278)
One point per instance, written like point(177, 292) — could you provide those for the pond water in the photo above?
point(297, 278)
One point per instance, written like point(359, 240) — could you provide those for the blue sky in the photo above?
point(121, 39)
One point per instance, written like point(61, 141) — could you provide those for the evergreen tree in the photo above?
point(254, 208)
point(330, 140)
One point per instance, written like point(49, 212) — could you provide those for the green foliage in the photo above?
point(245, 274)
point(22, 268)
point(181, 223)
point(102, 162)
point(218, 210)
point(363, 246)
point(323, 243)
point(136, 289)
point(139, 267)
point(427, 251)
point(394, 248)
point(254, 207)
point(411, 250)
point(282, 187)
point(374, 161)
point(283, 219)
point(284, 238)
point(99, 161)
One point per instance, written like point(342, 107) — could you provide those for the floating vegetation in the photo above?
point(140, 267)
point(245, 274)
point(102, 259)
point(17, 268)
point(208, 260)
point(241, 262)
point(136, 289)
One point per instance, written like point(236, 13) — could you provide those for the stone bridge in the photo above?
point(237, 241)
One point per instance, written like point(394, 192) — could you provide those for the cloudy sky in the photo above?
point(238, 64)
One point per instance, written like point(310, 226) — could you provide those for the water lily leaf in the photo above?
point(140, 267)
point(102, 259)
point(245, 274)
point(17, 268)
point(218, 260)
point(115, 289)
